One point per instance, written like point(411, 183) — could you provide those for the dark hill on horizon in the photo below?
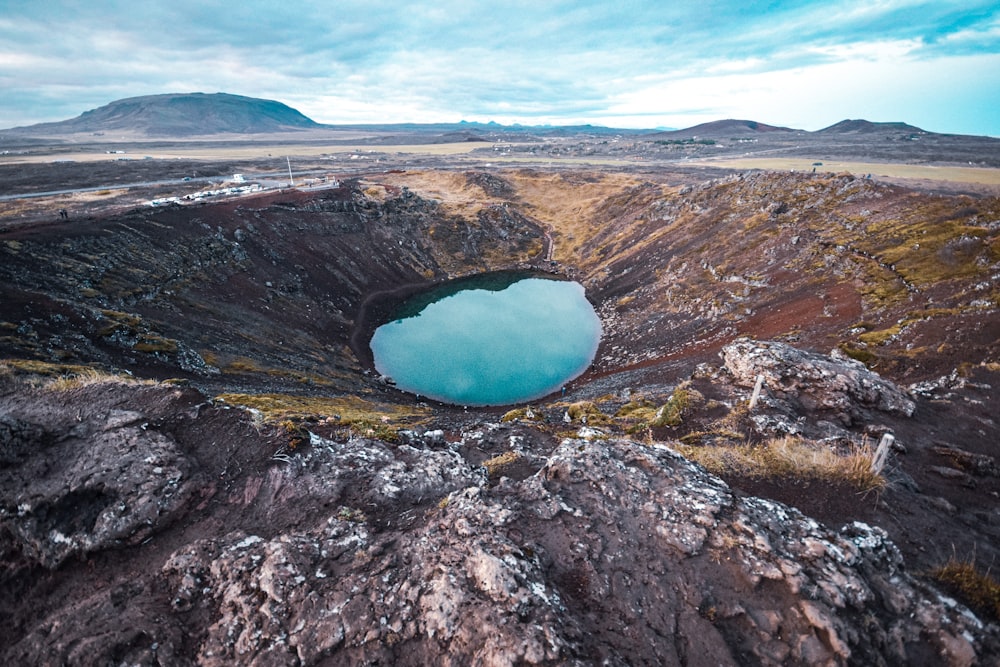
point(861, 126)
point(187, 115)
point(182, 115)
point(227, 117)
point(725, 128)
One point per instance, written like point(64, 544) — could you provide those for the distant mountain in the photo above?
point(720, 129)
point(861, 126)
point(491, 129)
point(181, 115)
point(184, 115)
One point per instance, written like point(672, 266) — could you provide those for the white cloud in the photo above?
point(634, 64)
point(880, 51)
point(988, 33)
point(743, 65)
point(814, 97)
point(21, 60)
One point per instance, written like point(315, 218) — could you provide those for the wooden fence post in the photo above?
point(756, 391)
point(882, 453)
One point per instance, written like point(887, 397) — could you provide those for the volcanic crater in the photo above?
point(252, 491)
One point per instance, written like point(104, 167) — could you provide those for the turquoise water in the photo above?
point(492, 347)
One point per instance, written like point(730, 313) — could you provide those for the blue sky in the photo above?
point(624, 63)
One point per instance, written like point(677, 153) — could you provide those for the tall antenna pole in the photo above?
point(291, 183)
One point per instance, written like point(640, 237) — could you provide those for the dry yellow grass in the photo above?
point(450, 189)
point(63, 377)
point(790, 458)
point(44, 368)
point(93, 376)
point(349, 409)
point(246, 366)
point(381, 421)
point(892, 170)
point(498, 465)
point(567, 205)
point(195, 151)
point(564, 204)
point(978, 590)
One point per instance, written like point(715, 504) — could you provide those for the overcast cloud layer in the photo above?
point(804, 64)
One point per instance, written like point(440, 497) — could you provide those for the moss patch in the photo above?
point(43, 368)
point(882, 336)
point(365, 417)
point(497, 466)
point(586, 412)
point(862, 354)
point(641, 414)
point(521, 414)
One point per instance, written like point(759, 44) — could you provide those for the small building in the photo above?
point(238, 178)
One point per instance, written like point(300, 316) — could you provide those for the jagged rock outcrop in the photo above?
point(613, 553)
point(839, 386)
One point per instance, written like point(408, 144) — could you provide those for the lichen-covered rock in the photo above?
point(353, 550)
point(366, 472)
point(814, 382)
point(110, 481)
point(18, 439)
point(614, 553)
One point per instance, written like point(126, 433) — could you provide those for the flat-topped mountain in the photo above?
point(189, 115)
point(861, 126)
point(726, 128)
point(182, 115)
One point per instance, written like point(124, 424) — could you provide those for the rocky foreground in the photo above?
point(144, 524)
